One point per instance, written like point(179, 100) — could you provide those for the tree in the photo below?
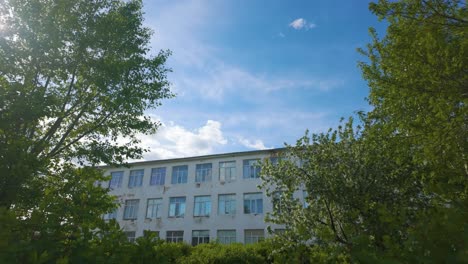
point(418, 78)
point(65, 224)
point(359, 192)
point(74, 77)
point(395, 187)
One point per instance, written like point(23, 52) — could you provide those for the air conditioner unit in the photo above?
point(221, 182)
point(198, 219)
point(198, 185)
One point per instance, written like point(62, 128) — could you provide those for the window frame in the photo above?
point(224, 200)
point(254, 203)
point(199, 238)
point(158, 203)
point(136, 180)
point(179, 206)
point(179, 174)
point(158, 176)
point(113, 181)
point(175, 236)
point(251, 169)
point(127, 215)
point(251, 238)
point(203, 172)
point(232, 171)
point(202, 207)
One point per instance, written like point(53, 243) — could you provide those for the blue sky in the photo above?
point(255, 74)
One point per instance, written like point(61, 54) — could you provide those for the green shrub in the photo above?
point(171, 252)
point(214, 253)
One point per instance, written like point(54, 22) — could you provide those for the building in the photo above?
point(195, 199)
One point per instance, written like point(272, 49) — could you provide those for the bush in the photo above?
point(214, 253)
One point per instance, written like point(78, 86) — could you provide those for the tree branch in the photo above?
point(332, 223)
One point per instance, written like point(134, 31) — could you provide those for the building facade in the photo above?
point(196, 199)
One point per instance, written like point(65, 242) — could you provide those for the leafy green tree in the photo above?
point(418, 78)
point(359, 196)
point(394, 188)
point(66, 223)
point(75, 75)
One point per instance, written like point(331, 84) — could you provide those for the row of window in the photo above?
point(203, 236)
point(203, 173)
point(253, 204)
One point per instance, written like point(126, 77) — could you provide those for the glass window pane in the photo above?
point(253, 203)
point(251, 169)
point(116, 179)
point(179, 174)
point(135, 178)
point(158, 176)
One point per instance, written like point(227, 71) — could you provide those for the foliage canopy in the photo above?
point(394, 187)
point(74, 77)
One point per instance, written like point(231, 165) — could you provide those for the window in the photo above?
point(253, 203)
point(227, 171)
point(158, 176)
point(130, 236)
point(200, 236)
point(175, 236)
point(227, 204)
point(131, 209)
point(136, 178)
point(305, 195)
point(116, 179)
point(251, 169)
point(154, 208)
point(253, 235)
point(203, 172)
point(177, 207)
point(179, 174)
point(227, 236)
point(202, 206)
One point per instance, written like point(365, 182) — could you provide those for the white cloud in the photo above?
point(301, 23)
point(281, 35)
point(222, 80)
point(255, 144)
point(175, 141)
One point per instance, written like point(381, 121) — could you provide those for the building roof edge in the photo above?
point(229, 154)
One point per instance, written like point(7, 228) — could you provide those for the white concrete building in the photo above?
point(195, 199)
